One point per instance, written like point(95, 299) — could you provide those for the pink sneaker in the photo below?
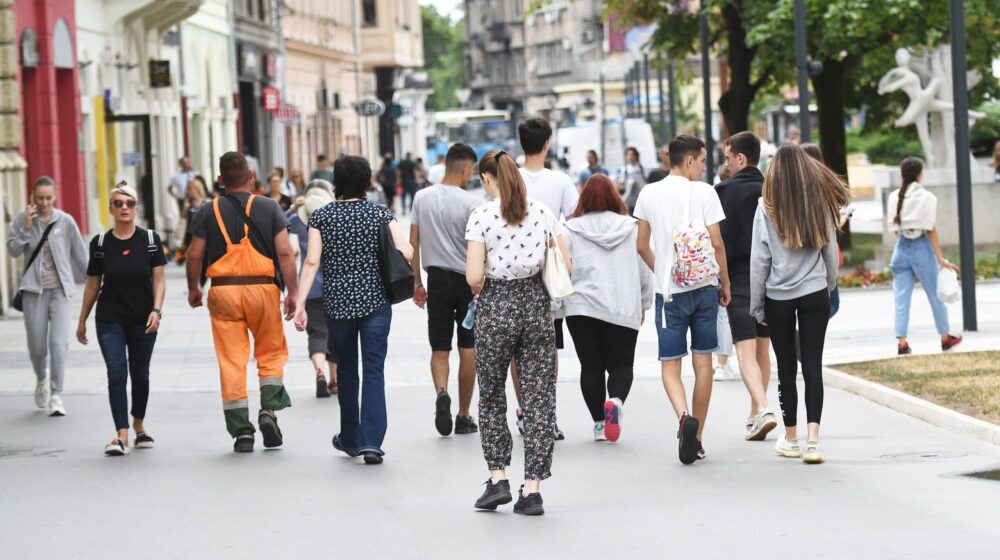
point(612, 419)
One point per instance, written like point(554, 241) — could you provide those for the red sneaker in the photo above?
point(612, 420)
point(950, 342)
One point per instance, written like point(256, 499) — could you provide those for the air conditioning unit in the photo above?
point(328, 99)
point(589, 35)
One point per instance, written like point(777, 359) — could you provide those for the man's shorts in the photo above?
point(448, 298)
point(696, 311)
point(558, 324)
point(319, 340)
point(741, 324)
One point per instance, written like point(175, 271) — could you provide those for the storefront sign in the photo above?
point(287, 115)
point(131, 159)
point(271, 98)
point(370, 108)
point(249, 63)
point(159, 73)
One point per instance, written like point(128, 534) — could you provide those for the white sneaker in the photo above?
point(56, 407)
point(761, 424)
point(599, 432)
point(725, 373)
point(813, 455)
point(787, 448)
point(42, 393)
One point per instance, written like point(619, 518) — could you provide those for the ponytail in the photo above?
point(910, 168)
point(513, 194)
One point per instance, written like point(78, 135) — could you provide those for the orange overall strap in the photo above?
point(222, 225)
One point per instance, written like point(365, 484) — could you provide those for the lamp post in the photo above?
point(659, 84)
point(706, 79)
point(802, 66)
point(962, 164)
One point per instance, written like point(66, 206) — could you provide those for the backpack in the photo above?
point(694, 257)
point(150, 246)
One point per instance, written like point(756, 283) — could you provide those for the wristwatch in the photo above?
point(158, 312)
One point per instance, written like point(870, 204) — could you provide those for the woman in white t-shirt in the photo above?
point(507, 242)
point(631, 179)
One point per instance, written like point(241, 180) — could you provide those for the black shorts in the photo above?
point(319, 340)
point(741, 324)
point(557, 324)
point(448, 298)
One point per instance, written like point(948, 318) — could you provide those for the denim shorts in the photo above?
point(696, 310)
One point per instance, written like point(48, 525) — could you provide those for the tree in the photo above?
point(443, 57)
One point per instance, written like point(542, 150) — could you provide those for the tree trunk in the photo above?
point(830, 89)
point(735, 103)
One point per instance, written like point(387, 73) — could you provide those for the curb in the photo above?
point(913, 406)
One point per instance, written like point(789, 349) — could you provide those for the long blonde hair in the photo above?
point(803, 198)
point(513, 193)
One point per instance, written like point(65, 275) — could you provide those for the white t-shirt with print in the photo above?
point(517, 251)
point(554, 189)
point(662, 205)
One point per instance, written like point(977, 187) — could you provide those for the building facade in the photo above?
point(259, 66)
point(207, 85)
point(391, 43)
point(12, 164)
point(323, 81)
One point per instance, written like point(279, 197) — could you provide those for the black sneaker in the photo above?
point(465, 425)
point(268, 423)
point(442, 414)
point(495, 495)
point(687, 448)
point(372, 458)
point(143, 441)
point(530, 504)
point(557, 433)
point(244, 443)
point(322, 389)
point(339, 447)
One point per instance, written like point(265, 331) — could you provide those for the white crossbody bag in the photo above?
point(555, 273)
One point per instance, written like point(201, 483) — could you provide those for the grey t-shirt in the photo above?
point(441, 212)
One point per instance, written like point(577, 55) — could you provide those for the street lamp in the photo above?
point(802, 64)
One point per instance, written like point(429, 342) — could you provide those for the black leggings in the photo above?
point(602, 347)
point(813, 312)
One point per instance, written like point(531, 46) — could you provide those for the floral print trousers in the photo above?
point(513, 320)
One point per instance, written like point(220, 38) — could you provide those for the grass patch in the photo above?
point(967, 382)
point(863, 247)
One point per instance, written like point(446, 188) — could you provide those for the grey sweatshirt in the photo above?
point(780, 273)
point(610, 281)
point(69, 250)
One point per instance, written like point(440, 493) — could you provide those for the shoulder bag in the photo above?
point(397, 275)
point(18, 302)
point(555, 273)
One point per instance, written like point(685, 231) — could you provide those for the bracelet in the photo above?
point(158, 312)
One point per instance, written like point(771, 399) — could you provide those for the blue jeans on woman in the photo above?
point(361, 430)
point(127, 350)
point(912, 260)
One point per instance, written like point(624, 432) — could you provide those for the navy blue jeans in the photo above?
point(127, 350)
point(362, 428)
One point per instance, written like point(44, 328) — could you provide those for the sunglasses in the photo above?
point(124, 203)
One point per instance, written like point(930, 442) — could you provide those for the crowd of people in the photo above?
point(762, 247)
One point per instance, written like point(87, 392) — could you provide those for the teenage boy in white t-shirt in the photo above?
point(660, 208)
point(554, 189)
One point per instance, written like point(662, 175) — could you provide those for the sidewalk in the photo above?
point(891, 487)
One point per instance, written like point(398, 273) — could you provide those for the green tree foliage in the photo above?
point(443, 57)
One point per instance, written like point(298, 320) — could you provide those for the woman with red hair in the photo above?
point(612, 288)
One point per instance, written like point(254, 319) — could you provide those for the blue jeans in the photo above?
point(697, 310)
point(912, 260)
point(362, 430)
point(127, 350)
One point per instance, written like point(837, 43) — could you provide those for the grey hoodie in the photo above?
point(610, 281)
point(780, 273)
point(69, 250)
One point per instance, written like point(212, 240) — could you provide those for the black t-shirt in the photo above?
point(407, 170)
point(265, 214)
point(127, 269)
point(657, 174)
point(739, 195)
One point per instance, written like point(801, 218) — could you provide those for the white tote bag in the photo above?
point(947, 286)
point(555, 273)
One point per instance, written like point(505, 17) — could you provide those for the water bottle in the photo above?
point(470, 317)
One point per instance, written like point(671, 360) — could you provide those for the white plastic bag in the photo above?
point(947, 286)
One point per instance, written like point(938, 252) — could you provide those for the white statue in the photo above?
point(926, 80)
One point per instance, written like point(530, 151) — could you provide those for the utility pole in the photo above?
point(802, 66)
point(963, 172)
point(645, 77)
point(659, 85)
point(706, 80)
point(672, 94)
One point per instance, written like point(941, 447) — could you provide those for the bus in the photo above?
point(482, 129)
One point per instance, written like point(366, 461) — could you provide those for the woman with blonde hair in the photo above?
point(507, 239)
point(793, 269)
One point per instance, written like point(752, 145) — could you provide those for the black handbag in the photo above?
point(18, 303)
point(397, 275)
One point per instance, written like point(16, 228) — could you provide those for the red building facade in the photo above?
point(50, 95)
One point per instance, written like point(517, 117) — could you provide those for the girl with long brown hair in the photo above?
point(917, 254)
point(612, 288)
point(793, 269)
point(507, 243)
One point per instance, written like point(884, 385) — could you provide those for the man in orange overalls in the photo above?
point(240, 237)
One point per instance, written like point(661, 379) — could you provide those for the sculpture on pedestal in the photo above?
point(925, 77)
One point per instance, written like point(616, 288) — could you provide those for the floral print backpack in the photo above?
point(694, 256)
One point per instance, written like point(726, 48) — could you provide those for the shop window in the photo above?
point(369, 15)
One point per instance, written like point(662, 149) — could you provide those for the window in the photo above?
point(553, 58)
point(369, 16)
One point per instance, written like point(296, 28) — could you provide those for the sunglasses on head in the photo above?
point(120, 203)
